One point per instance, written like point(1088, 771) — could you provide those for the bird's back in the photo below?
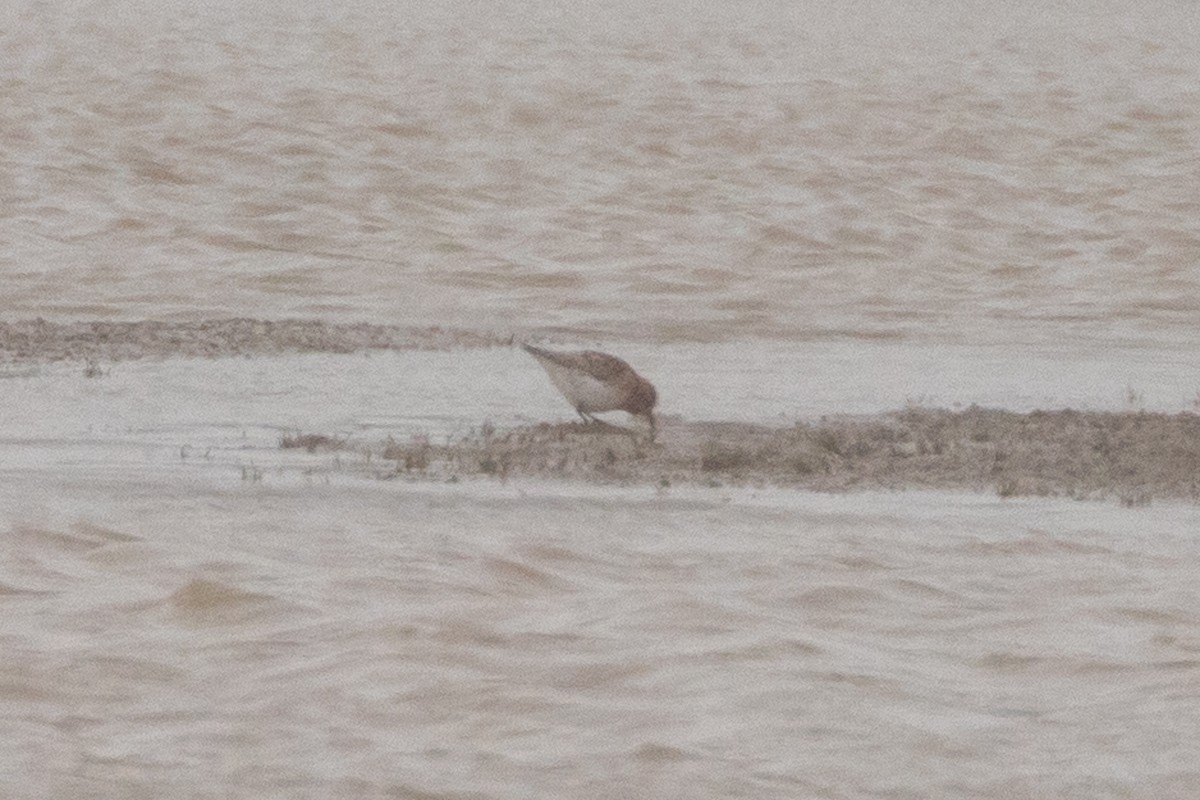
point(600, 366)
point(591, 381)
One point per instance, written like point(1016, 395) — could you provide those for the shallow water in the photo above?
point(777, 211)
point(234, 411)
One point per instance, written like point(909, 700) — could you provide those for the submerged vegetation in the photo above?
point(1132, 457)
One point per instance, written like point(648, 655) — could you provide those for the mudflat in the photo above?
point(1129, 456)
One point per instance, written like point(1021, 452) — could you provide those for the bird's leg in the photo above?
point(582, 415)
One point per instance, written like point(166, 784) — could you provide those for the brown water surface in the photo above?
point(225, 639)
point(778, 211)
point(683, 171)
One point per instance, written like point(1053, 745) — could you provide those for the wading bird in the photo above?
point(596, 382)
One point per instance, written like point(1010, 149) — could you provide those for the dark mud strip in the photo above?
point(41, 341)
point(1130, 457)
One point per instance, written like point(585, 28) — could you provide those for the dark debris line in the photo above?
point(40, 341)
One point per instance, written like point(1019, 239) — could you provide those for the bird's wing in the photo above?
point(600, 366)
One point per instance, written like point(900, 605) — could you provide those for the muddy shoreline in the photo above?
point(1129, 457)
point(42, 341)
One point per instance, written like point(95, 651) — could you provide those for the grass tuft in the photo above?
point(415, 455)
point(724, 458)
point(312, 442)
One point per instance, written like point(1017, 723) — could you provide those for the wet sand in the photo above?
point(1126, 456)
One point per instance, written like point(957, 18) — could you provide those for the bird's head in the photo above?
point(641, 402)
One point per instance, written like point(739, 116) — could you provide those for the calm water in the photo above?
point(778, 211)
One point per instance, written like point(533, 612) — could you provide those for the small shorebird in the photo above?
point(596, 382)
